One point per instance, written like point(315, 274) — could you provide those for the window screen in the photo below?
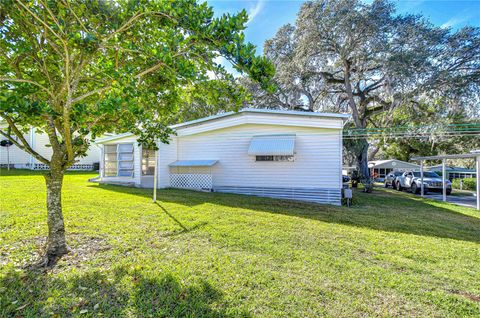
point(148, 162)
point(118, 160)
point(110, 160)
point(111, 149)
point(274, 158)
point(125, 148)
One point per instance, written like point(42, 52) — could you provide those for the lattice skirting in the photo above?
point(318, 195)
point(195, 181)
point(42, 166)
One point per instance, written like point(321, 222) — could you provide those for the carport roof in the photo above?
point(439, 157)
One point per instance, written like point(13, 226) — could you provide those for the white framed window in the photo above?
point(118, 159)
point(275, 158)
point(110, 153)
point(125, 148)
point(148, 162)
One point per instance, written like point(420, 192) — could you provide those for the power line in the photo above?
point(450, 130)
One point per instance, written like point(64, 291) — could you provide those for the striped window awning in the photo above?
point(272, 145)
point(193, 163)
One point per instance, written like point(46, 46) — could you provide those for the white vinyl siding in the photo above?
point(262, 119)
point(15, 155)
point(317, 159)
point(315, 174)
point(39, 141)
point(167, 154)
point(40, 145)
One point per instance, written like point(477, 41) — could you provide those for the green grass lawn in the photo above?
point(216, 255)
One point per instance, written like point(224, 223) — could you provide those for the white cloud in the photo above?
point(253, 12)
point(455, 21)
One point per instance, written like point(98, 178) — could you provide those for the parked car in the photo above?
point(391, 178)
point(412, 181)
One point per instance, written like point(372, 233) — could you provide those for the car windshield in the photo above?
point(397, 173)
point(426, 175)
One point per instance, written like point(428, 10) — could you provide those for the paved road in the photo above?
point(468, 201)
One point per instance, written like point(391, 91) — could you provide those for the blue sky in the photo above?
point(268, 15)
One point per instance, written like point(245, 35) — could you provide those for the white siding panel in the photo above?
point(126, 140)
point(262, 119)
point(93, 155)
point(40, 146)
point(41, 142)
point(16, 155)
point(167, 154)
point(317, 161)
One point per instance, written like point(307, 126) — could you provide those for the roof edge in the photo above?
point(111, 138)
point(261, 111)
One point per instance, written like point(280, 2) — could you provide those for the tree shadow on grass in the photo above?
point(384, 211)
point(119, 293)
point(184, 228)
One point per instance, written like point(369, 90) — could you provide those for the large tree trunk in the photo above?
point(361, 155)
point(362, 159)
point(361, 147)
point(56, 243)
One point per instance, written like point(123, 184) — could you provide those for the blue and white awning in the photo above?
point(272, 145)
point(193, 163)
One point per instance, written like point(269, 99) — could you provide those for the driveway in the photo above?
point(467, 200)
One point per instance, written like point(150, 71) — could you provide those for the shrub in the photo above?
point(468, 183)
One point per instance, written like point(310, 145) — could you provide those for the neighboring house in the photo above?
point(380, 168)
point(281, 154)
point(454, 172)
point(20, 159)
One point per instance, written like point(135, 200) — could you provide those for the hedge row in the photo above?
point(468, 183)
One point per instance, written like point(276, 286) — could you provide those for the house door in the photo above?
point(148, 167)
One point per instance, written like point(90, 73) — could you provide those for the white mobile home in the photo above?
point(19, 159)
point(282, 154)
point(380, 168)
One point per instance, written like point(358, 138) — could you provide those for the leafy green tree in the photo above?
point(441, 134)
point(78, 69)
point(362, 58)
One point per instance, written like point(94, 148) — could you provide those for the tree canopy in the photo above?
point(100, 66)
point(364, 59)
point(78, 69)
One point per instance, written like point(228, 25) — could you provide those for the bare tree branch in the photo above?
point(19, 80)
point(97, 91)
point(40, 20)
point(130, 22)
